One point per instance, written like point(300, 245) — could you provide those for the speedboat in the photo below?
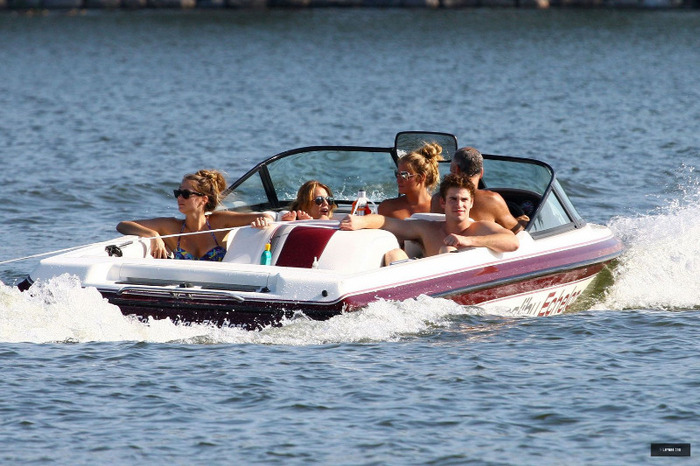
point(318, 271)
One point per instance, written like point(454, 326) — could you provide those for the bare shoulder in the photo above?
point(163, 225)
point(489, 198)
point(172, 224)
point(388, 207)
point(435, 204)
point(163, 222)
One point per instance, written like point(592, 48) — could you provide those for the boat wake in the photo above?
point(60, 311)
point(661, 266)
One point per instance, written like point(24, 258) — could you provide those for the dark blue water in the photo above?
point(101, 114)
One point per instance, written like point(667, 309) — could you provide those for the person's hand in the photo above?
point(446, 249)
point(456, 241)
point(351, 223)
point(261, 222)
point(296, 215)
point(158, 248)
point(523, 220)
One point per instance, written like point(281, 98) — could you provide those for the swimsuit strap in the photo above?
point(181, 230)
point(212, 233)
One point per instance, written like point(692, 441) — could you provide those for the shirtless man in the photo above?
point(457, 231)
point(488, 205)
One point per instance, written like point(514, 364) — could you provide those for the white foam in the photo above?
point(661, 265)
point(59, 310)
point(379, 321)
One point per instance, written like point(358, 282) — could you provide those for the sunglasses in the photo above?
point(185, 193)
point(405, 175)
point(319, 200)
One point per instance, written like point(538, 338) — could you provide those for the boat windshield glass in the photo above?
point(516, 174)
point(511, 173)
point(344, 170)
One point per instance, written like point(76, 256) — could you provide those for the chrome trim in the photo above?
point(149, 291)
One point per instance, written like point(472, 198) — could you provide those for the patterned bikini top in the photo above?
point(216, 253)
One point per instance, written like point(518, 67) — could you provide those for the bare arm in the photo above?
point(362, 222)
point(150, 228)
point(229, 219)
point(146, 228)
point(495, 204)
point(402, 229)
point(485, 234)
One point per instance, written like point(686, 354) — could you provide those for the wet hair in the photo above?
point(305, 196)
point(469, 160)
point(460, 181)
point(424, 161)
point(209, 182)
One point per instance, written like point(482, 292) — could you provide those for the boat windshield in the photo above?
point(506, 172)
point(274, 183)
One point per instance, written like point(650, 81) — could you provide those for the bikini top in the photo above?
point(216, 253)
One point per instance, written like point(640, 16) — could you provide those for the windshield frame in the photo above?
point(276, 185)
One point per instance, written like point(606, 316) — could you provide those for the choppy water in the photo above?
point(101, 114)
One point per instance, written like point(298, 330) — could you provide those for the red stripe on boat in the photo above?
point(303, 245)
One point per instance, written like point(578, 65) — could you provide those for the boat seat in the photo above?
point(303, 247)
point(332, 249)
point(296, 244)
point(435, 217)
point(244, 245)
point(357, 251)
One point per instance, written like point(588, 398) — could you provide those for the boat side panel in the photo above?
point(439, 275)
point(543, 296)
point(498, 280)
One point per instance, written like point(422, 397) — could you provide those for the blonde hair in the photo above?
point(424, 161)
point(211, 183)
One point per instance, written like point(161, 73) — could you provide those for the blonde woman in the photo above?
point(197, 197)
point(416, 176)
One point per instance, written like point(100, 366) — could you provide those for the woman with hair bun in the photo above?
point(416, 176)
point(197, 197)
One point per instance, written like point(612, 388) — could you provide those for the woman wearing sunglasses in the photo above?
point(314, 201)
point(197, 197)
point(416, 176)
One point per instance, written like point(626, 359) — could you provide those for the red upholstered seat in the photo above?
point(303, 245)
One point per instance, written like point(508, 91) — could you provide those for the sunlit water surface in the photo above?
point(101, 114)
